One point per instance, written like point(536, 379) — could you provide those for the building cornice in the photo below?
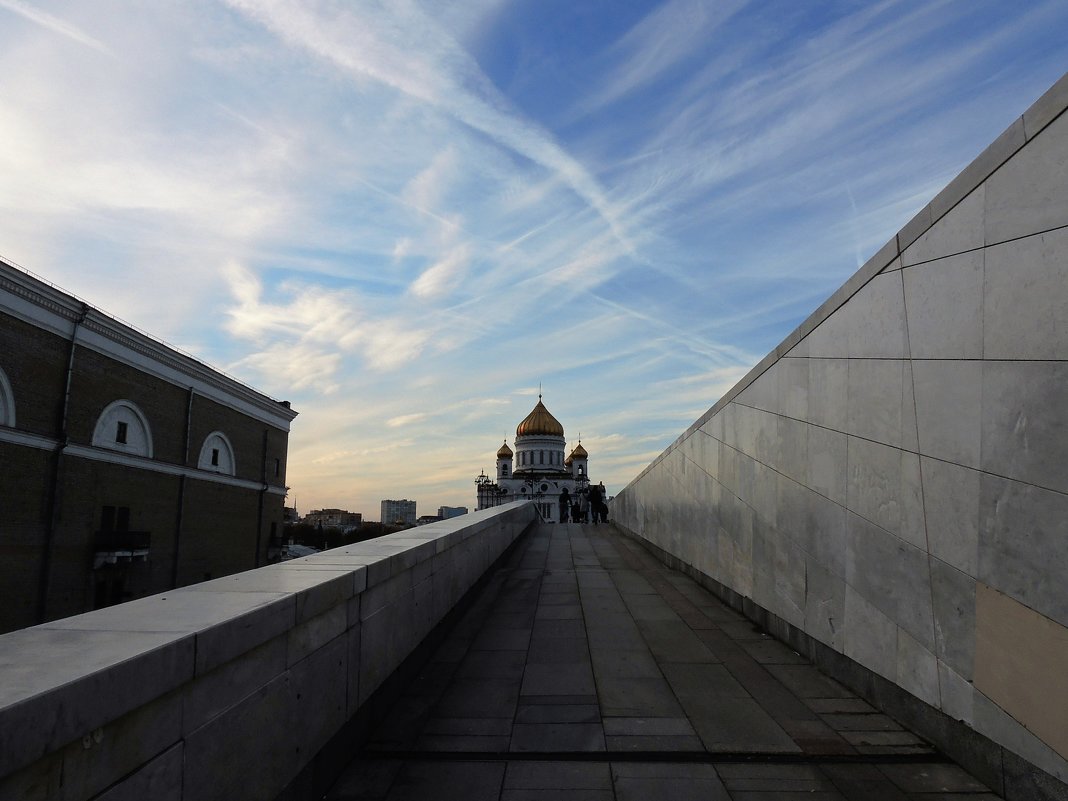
point(39, 303)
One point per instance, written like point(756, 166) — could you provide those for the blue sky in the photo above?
point(402, 216)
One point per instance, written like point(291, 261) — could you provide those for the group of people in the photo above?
point(583, 505)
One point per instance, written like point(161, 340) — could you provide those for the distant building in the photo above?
point(422, 520)
point(334, 518)
point(129, 468)
point(398, 513)
point(445, 512)
point(542, 472)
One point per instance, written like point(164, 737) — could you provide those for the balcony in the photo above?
point(118, 547)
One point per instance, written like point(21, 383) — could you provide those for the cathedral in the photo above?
point(541, 471)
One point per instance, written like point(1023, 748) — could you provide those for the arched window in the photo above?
point(7, 402)
point(217, 454)
point(123, 427)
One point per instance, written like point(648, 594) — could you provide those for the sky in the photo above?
point(405, 217)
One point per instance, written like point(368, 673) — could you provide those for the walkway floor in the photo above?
point(586, 669)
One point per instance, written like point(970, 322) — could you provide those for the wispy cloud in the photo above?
point(403, 216)
point(404, 49)
point(55, 24)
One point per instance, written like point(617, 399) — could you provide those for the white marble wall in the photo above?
point(894, 478)
point(227, 689)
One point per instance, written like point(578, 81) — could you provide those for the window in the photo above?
point(277, 468)
point(504, 469)
point(217, 455)
point(541, 457)
point(7, 402)
point(123, 427)
point(581, 471)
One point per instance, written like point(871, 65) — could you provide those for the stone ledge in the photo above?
point(66, 686)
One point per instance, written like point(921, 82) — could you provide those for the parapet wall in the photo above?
point(228, 689)
point(892, 480)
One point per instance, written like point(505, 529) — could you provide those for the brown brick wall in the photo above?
point(99, 380)
point(246, 437)
point(224, 529)
point(25, 473)
point(219, 534)
point(35, 362)
point(87, 486)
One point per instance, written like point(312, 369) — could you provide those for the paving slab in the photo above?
point(587, 669)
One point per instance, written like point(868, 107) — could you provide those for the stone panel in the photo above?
point(1024, 313)
point(1025, 422)
point(957, 694)
point(1020, 659)
point(236, 739)
point(1023, 531)
point(917, 670)
point(215, 692)
point(951, 502)
point(884, 487)
point(953, 594)
point(815, 523)
point(893, 576)
point(1027, 194)
point(959, 230)
point(870, 636)
point(159, 780)
point(763, 393)
point(880, 404)
point(876, 321)
point(793, 388)
point(829, 393)
point(999, 724)
point(944, 302)
point(318, 697)
point(827, 463)
point(825, 606)
point(948, 410)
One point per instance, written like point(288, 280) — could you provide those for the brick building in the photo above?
point(128, 468)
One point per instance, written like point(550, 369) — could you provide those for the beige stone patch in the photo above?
point(1021, 663)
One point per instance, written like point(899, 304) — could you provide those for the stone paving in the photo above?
point(586, 669)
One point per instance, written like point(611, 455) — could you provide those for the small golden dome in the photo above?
point(539, 422)
point(504, 452)
point(578, 453)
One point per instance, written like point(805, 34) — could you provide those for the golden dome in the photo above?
point(539, 422)
point(578, 453)
point(504, 452)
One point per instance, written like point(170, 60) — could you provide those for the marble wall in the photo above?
point(893, 479)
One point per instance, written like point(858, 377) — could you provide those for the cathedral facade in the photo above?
point(538, 469)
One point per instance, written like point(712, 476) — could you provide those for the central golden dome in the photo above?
point(539, 422)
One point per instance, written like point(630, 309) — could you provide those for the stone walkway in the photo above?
point(586, 669)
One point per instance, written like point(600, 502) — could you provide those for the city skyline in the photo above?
point(403, 218)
